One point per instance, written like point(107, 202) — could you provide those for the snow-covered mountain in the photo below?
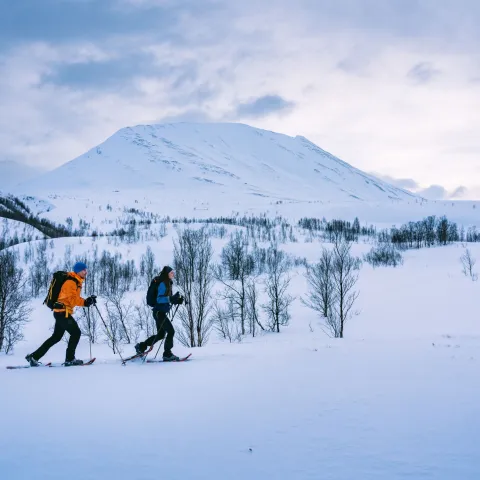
point(214, 159)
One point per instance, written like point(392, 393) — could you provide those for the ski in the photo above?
point(137, 355)
point(171, 361)
point(50, 364)
point(14, 367)
point(85, 364)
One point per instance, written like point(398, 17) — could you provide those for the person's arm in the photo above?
point(80, 301)
point(70, 294)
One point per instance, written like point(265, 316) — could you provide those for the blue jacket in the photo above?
point(163, 300)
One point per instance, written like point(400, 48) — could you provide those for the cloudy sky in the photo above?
point(390, 86)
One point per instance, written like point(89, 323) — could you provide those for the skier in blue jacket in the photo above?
point(165, 329)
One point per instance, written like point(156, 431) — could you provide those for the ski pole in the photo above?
point(108, 332)
point(89, 332)
point(158, 349)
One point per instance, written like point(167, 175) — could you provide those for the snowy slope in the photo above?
point(18, 231)
point(215, 159)
point(397, 398)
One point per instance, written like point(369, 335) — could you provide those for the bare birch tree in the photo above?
point(225, 322)
point(320, 280)
point(237, 265)
point(276, 286)
point(193, 254)
point(345, 277)
point(468, 264)
point(148, 266)
point(144, 320)
point(14, 301)
point(112, 331)
point(253, 314)
point(89, 324)
point(120, 313)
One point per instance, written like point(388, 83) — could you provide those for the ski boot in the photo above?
point(170, 357)
point(73, 362)
point(138, 349)
point(33, 363)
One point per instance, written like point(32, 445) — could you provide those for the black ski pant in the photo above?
point(164, 330)
point(62, 324)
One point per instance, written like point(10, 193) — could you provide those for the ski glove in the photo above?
point(176, 299)
point(92, 300)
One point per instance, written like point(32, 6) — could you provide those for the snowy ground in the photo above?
point(397, 398)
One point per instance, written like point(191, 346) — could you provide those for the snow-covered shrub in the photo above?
point(384, 254)
point(468, 264)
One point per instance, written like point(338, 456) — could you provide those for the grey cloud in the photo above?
point(359, 58)
point(459, 192)
point(191, 116)
point(118, 74)
point(423, 72)
point(262, 106)
point(59, 21)
point(446, 23)
point(102, 75)
point(193, 95)
point(351, 65)
point(434, 192)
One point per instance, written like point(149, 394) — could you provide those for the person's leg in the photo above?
point(57, 335)
point(170, 333)
point(74, 330)
point(154, 339)
point(159, 318)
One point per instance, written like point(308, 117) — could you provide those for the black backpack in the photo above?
point(152, 292)
point(59, 278)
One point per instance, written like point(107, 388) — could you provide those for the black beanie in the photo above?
point(167, 269)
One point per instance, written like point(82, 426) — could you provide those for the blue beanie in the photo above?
point(79, 266)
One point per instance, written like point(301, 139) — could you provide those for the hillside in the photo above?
point(13, 232)
point(24, 212)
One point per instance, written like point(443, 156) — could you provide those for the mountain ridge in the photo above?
point(213, 158)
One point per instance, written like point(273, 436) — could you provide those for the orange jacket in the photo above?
point(70, 295)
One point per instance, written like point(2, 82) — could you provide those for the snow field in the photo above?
point(397, 398)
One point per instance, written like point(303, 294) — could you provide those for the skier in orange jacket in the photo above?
point(68, 298)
